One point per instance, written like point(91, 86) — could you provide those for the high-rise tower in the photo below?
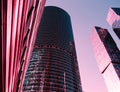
point(107, 56)
point(19, 21)
point(113, 19)
point(53, 66)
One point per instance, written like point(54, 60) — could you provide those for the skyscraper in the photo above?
point(107, 56)
point(19, 24)
point(53, 66)
point(113, 19)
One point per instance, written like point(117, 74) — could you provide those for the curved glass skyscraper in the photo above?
point(53, 66)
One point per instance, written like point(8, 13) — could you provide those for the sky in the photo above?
point(85, 14)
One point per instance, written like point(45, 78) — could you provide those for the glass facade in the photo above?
point(107, 56)
point(117, 31)
point(53, 66)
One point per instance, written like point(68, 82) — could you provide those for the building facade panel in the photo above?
point(100, 50)
point(117, 31)
point(111, 78)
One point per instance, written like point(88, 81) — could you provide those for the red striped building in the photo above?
point(19, 21)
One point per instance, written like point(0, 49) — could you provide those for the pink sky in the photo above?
point(84, 16)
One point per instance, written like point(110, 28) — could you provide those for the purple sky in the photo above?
point(84, 16)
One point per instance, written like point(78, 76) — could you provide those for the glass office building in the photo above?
point(53, 66)
point(107, 56)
